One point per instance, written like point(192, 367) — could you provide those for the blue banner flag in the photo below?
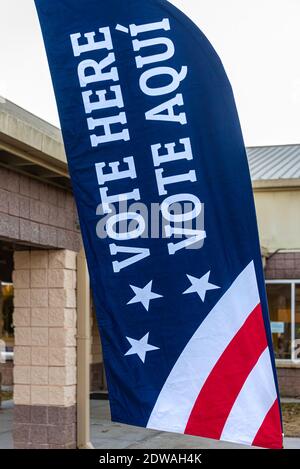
point(161, 181)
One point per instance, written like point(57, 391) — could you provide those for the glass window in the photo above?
point(280, 308)
point(297, 322)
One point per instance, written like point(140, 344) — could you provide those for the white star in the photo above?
point(143, 295)
point(200, 285)
point(140, 347)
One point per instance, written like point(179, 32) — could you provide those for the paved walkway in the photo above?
point(108, 435)
point(105, 434)
point(6, 425)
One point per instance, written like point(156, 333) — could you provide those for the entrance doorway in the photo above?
point(7, 342)
point(6, 321)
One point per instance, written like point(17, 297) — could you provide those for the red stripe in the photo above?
point(266, 436)
point(225, 381)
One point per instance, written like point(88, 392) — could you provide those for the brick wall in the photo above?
point(289, 382)
point(283, 265)
point(37, 213)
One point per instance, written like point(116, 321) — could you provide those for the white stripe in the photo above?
point(252, 404)
point(180, 391)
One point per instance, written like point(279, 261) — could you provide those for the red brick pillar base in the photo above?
point(44, 427)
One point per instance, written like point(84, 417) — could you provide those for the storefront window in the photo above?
point(284, 308)
point(279, 299)
point(297, 322)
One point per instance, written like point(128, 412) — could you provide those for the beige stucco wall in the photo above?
point(278, 214)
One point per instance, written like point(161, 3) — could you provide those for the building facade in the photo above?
point(275, 173)
point(39, 244)
point(45, 310)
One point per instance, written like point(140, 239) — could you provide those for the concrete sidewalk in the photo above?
point(6, 417)
point(108, 435)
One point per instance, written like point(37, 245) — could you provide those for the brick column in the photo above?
point(45, 349)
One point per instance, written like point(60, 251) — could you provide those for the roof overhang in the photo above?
point(276, 185)
point(34, 147)
point(31, 146)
